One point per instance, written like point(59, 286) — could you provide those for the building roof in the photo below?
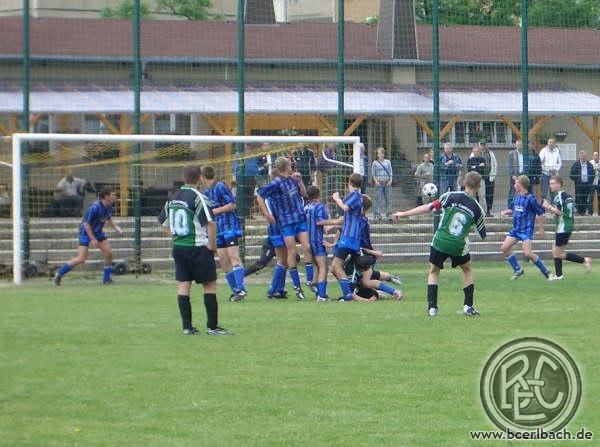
point(295, 41)
point(299, 101)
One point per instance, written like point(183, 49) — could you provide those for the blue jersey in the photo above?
point(351, 229)
point(525, 209)
point(365, 233)
point(227, 223)
point(284, 194)
point(272, 229)
point(96, 216)
point(315, 212)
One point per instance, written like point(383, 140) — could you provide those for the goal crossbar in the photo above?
point(19, 138)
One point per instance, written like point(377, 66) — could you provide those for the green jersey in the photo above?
point(460, 212)
point(565, 203)
point(186, 214)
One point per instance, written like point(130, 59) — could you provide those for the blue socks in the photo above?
point(295, 277)
point(385, 288)
point(238, 274)
point(310, 272)
point(345, 286)
point(322, 289)
point(64, 270)
point(107, 273)
point(512, 260)
point(230, 276)
point(540, 265)
point(278, 279)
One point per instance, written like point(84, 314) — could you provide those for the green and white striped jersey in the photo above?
point(565, 203)
point(186, 214)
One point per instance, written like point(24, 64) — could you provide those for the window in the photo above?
point(467, 133)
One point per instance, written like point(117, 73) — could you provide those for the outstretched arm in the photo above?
point(422, 209)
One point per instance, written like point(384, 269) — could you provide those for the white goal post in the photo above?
point(19, 138)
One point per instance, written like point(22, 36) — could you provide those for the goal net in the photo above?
point(62, 173)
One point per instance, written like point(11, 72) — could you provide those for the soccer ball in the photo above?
point(429, 192)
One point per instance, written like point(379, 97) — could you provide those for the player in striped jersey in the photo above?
point(286, 192)
point(349, 242)
point(228, 231)
point(277, 288)
point(316, 214)
point(190, 221)
point(91, 233)
point(524, 209)
point(460, 212)
point(562, 207)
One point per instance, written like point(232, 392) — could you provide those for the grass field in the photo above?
point(89, 365)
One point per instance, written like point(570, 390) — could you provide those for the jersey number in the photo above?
point(178, 221)
point(457, 224)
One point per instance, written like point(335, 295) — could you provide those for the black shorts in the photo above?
point(367, 293)
point(561, 239)
point(194, 264)
point(437, 258)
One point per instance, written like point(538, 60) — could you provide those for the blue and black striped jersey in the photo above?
point(220, 195)
point(284, 194)
point(525, 209)
point(96, 216)
point(316, 212)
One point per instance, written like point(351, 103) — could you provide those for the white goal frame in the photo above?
point(19, 138)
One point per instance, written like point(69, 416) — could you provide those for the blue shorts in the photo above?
point(294, 229)
point(85, 240)
point(520, 235)
point(277, 241)
point(318, 249)
point(350, 243)
point(228, 238)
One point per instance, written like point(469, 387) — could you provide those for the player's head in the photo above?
point(313, 193)
point(106, 194)
point(555, 183)
point(355, 181)
point(522, 184)
point(283, 166)
point(367, 203)
point(191, 175)
point(207, 174)
point(472, 182)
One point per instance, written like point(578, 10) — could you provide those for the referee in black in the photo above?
point(190, 220)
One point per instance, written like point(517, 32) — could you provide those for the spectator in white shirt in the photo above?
point(596, 188)
point(551, 164)
point(70, 189)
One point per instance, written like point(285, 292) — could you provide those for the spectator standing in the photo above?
point(551, 164)
point(4, 201)
point(476, 163)
point(306, 165)
point(535, 170)
point(489, 177)
point(596, 184)
point(246, 172)
point(583, 174)
point(382, 176)
point(450, 166)
point(424, 174)
point(515, 165)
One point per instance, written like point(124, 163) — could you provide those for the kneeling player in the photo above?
point(562, 208)
point(91, 234)
point(460, 212)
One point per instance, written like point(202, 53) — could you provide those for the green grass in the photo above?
point(89, 365)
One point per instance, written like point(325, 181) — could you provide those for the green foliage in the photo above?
point(551, 13)
point(83, 365)
point(190, 9)
point(125, 10)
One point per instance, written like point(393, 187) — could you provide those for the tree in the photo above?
point(125, 10)
point(190, 9)
point(551, 13)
